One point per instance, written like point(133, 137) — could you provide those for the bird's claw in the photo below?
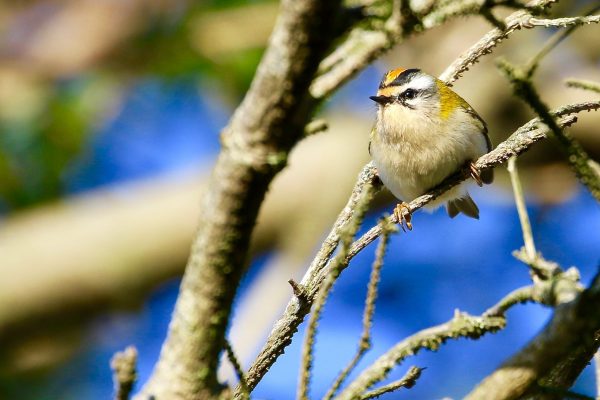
point(402, 217)
point(475, 174)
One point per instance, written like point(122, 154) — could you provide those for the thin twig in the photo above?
point(407, 381)
point(564, 22)
point(570, 23)
point(573, 327)
point(237, 368)
point(583, 84)
point(298, 308)
point(123, 365)
point(336, 266)
point(520, 141)
point(577, 157)
point(515, 21)
point(364, 45)
point(461, 325)
point(518, 296)
point(521, 209)
point(541, 267)
point(364, 343)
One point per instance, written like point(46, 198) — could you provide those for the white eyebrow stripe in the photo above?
point(420, 83)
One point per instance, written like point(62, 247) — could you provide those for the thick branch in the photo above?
point(256, 142)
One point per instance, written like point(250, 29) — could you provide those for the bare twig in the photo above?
point(570, 23)
point(361, 47)
point(515, 21)
point(583, 84)
point(296, 310)
point(255, 144)
point(364, 343)
point(407, 381)
point(521, 209)
point(564, 22)
point(364, 45)
point(573, 328)
point(520, 141)
point(123, 365)
point(335, 268)
point(539, 265)
point(237, 368)
point(577, 157)
point(518, 296)
point(460, 326)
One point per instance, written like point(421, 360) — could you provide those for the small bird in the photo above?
point(424, 132)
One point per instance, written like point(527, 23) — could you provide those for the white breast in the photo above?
point(414, 154)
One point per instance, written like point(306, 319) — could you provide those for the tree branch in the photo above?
point(460, 326)
point(577, 157)
point(574, 324)
point(364, 343)
point(583, 84)
point(407, 381)
point(298, 307)
point(256, 142)
point(519, 142)
point(336, 266)
point(515, 21)
point(281, 335)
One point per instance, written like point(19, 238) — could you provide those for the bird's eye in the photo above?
point(409, 94)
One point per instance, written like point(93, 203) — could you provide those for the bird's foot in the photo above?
point(403, 214)
point(475, 174)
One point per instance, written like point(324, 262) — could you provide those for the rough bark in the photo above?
point(256, 143)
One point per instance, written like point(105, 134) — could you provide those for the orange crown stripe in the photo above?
point(393, 74)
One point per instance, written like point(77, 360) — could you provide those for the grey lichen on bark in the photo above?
point(263, 129)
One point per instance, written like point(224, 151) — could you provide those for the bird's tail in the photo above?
point(464, 205)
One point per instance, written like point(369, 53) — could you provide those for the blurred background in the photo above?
point(110, 113)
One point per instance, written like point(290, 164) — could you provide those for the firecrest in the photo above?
point(425, 132)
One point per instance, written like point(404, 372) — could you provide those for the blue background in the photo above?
point(441, 266)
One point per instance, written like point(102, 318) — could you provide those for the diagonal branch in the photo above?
point(461, 325)
point(515, 21)
point(577, 157)
point(334, 271)
point(281, 335)
point(364, 343)
point(520, 141)
point(407, 381)
point(574, 327)
point(256, 142)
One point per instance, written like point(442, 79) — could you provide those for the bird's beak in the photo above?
point(380, 99)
